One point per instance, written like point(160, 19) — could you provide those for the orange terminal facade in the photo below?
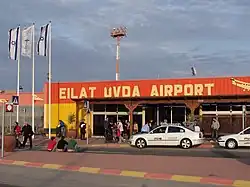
point(226, 98)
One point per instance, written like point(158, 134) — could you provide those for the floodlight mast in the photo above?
point(118, 34)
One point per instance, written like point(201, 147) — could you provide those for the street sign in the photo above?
point(8, 107)
point(15, 100)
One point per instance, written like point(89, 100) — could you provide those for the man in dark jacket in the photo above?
point(83, 130)
point(27, 134)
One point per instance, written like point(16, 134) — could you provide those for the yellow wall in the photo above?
point(62, 111)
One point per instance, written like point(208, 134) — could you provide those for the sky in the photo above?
point(165, 39)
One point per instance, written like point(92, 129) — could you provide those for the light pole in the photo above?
point(118, 34)
point(3, 101)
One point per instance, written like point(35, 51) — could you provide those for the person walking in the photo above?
point(27, 133)
point(215, 128)
point(18, 133)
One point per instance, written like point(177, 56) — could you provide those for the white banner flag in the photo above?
point(14, 43)
point(27, 35)
point(42, 45)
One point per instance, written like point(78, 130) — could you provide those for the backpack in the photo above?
point(18, 130)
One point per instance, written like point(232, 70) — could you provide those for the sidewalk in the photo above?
point(39, 140)
point(99, 142)
point(228, 172)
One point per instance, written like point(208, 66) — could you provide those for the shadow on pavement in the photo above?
point(225, 153)
point(7, 185)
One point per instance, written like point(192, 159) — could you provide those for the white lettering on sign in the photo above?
point(182, 90)
point(71, 93)
point(122, 91)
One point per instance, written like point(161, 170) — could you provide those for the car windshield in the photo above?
point(246, 131)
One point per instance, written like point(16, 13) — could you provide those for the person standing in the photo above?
point(215, 128)
point(27, 133)
point(83, 130)
point(135, 127)
point(120, 128)
point(145, 128)
point(17, 132)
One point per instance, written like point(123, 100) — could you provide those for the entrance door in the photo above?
point(98, 125)
point(138, 119)
point(112, 118)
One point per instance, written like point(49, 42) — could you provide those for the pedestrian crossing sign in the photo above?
point(15, 100)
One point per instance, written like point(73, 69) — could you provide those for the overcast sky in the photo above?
point(165, 38)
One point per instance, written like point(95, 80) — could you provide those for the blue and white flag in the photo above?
point(43, 42)
point(14, 43)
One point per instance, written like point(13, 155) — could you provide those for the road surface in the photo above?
point(195, 152)
point(29, 177)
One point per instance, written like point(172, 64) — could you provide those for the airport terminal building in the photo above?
point(227, 98)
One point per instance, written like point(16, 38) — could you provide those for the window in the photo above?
point(111, 108)
point(175, 130)
point(247, 131)
point(236, 107)
point(209, 107)
point(99, 107)
point(223, 107)
point(160, 130)
point(122, 108)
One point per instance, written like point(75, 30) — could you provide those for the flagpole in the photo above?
point(18, 71)
point(50, 77)
point(33, 79)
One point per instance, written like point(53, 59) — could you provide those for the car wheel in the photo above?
point(140, 143)
point(231, 144)
point(186, 143)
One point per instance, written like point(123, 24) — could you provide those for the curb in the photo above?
point(127, 173)
point(204, 146)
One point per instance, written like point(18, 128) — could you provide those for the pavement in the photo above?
point(159, 151)
point(99, 142)
point(30, 177)
point(39, 140)
point(229, 172)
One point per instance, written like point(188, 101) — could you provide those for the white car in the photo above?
point(167, 135)
point(234, 141)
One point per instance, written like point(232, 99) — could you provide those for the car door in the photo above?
point(244, 138)
point(157, 136)
point(173, 135)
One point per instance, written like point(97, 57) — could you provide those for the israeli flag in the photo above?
point(14, 43)
point(42, 45)
point(193, 71)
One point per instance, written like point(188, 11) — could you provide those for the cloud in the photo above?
point(165, 38)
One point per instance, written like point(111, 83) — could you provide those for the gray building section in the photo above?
point(25, 115)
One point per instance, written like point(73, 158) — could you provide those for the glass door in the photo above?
point(138, 119)
point(112, 118)
point(98, 125)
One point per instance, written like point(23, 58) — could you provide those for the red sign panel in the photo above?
point(9, 107)
point(224, 86)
